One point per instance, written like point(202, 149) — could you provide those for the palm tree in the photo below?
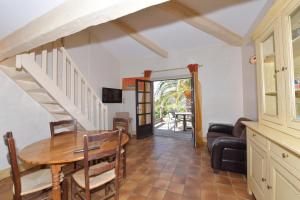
point(171, 95)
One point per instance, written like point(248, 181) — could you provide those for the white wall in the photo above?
point(221, 79)
point(249, 82)
point(27, 119)
point(98, 66)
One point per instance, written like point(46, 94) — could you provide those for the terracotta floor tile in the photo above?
point(172, 196)
point(157, 194)
point(143, 190)
point(176, 188)
point(136, 197)
point(158, 170)
point(161, 184)
point(209, 195)
point(192, 192)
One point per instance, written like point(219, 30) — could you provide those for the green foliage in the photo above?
point(171, 95)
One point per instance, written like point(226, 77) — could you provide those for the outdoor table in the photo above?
point(184, 114)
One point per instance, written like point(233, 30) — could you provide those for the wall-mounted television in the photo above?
point(111, 95)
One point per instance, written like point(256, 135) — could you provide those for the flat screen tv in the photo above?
point(111, 95)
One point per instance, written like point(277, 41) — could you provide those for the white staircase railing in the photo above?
point(53, 68)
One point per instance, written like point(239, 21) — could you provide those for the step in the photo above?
point(58, 112)
point(49, 102)
point(51, 107)
point(23, 77)
point(37, 90)
point(62, 117)
point(41, 97)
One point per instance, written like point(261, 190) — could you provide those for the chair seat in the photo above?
point(36, 181)
point(95, 181)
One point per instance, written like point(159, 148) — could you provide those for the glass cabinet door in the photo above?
point(291, 35)
point(270, 78)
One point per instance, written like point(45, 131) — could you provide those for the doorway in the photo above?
point(173, 109)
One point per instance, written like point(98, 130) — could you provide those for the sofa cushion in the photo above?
point(216, 135)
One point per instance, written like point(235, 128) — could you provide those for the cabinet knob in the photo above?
point(283, 68)
point(253, 134)
point(263, 179)
point(277, 71)
point(284, 155)
point(269, 187)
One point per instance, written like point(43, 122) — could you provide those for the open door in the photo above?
point(144, 108)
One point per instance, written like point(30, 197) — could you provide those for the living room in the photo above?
point(218, 37)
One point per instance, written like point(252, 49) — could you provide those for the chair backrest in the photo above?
point(239, 127)
point(61, 124)
point(97, 139)
point(13, 161)
point(121, 123)
point(122, 115)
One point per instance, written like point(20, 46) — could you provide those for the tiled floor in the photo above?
point(162, 168)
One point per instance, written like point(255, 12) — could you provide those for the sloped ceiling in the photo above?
point(173, 34)
point(165, 30)
point(16, 13)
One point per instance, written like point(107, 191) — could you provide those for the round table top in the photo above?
point(60, 149)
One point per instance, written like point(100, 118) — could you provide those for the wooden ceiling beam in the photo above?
point(202, 23)
point(141, 39)
point(70, 17)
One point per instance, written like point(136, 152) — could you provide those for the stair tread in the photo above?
point(37, 90)
point(23, 77)
point(60, 112)
point(49, 102)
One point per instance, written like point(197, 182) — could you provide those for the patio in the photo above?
point(166, 129)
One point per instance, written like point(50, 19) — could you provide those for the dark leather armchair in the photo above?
point(227, 145)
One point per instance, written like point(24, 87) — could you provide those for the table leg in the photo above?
point(184, 122)
point(56, 191)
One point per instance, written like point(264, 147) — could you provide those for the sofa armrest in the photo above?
point(221, 128)
point(220, 144)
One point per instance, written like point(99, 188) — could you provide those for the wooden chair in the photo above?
point(63, 123)
point(67, 124)
point(35, 185)
point(123, 125)
point(102, 175)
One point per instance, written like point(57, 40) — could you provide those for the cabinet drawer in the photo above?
point(285, 156)
point(257, 138)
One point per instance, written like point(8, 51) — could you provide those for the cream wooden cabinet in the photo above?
point(283, 184)
point(277, 41)
point(273, 143)
point(257, 159)
point(273, 170)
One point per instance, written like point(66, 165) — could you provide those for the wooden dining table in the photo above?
point(59, 150)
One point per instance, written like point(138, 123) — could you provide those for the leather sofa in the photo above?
point(227, 145)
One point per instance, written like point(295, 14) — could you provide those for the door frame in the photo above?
point(192, 91)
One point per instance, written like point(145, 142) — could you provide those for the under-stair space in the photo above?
point(50, 76)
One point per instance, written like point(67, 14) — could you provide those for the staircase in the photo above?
point(50, 76)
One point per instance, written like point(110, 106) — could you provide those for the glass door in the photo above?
point(269, 75)
point(291, 41)
point(144, 109)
